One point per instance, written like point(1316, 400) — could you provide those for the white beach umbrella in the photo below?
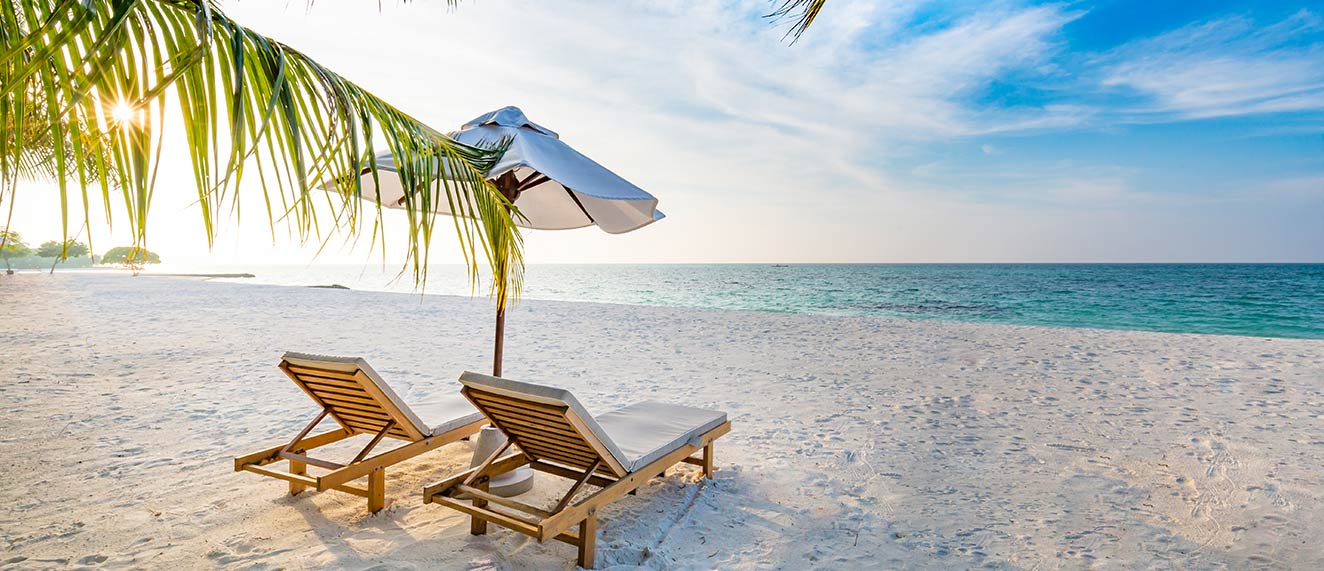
point(553, 185)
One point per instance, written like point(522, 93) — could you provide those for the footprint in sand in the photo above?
point(93, 560)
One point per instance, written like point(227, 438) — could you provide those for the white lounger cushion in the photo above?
point(649, 430)
point(446, 410)
point(634, 435)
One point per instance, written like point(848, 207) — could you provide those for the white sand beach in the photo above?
point(856, 443)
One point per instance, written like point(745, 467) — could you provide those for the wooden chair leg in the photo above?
point(477, 525)
point(588, 540)
point(708, 460)
point(376, 490)
point(299, 468)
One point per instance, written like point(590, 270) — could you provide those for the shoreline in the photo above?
point(485, 299)
point(247, 276)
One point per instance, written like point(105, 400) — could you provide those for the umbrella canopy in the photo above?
point(553, 185)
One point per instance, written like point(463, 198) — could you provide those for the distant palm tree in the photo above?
point(86, 87)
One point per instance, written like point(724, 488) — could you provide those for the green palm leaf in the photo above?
point(87, 86)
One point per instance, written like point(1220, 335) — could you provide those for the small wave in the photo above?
point(935, 308)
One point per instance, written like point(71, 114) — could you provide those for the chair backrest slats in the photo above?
point(353, 397)
point(542, 431)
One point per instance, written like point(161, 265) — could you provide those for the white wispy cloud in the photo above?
point(1224, 67)
point(1055, 184)
point(716, 76)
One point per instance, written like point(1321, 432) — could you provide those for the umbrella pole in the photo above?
point(508, 184)
point(489, 438)
point(500, 337)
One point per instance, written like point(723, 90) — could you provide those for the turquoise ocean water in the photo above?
point(1271, 300)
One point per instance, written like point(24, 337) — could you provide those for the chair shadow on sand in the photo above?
point(681, 516)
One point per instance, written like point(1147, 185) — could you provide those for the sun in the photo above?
point(122, 112)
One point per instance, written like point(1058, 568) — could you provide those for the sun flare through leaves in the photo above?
point(74, 74)
point(122, 113)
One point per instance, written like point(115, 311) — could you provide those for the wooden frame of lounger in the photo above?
point(355, 402)
point(554, 440)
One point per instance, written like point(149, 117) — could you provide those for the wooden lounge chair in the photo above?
point(617, 452)
point(354, 395)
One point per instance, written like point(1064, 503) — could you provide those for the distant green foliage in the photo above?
point(12, 246)
point(36, 263)
point(130, 256)
point(70, 249)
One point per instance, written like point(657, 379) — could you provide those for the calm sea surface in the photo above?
point(1272, 300)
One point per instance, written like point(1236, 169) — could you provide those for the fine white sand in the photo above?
point(857, 443)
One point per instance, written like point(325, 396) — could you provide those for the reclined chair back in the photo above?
point(354, 395)
point(546, 423)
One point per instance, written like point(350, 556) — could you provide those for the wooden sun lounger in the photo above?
point(617, 452)
point(354, 395)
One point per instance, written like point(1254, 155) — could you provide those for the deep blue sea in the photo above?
point(1270, 300)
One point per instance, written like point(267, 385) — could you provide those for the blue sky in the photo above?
point(905, 131)
point(1171, 98)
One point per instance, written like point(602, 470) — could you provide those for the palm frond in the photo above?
point(86, 88)
point(801, 13)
